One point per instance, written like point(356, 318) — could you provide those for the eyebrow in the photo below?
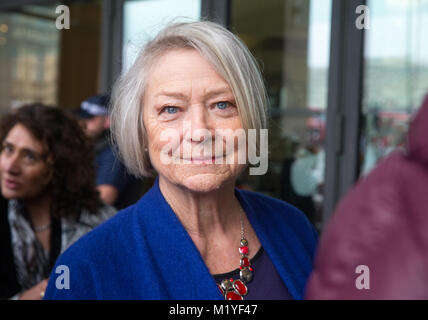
point(217, 92)
point(7, 143)
point(171, 94)
point(209, 94)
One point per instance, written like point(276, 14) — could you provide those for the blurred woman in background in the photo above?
point(50, 200)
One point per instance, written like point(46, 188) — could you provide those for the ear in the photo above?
point(106, 122)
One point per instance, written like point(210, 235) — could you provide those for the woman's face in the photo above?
point(185, 104)
point(24, 172)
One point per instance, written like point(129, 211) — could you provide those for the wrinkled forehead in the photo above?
point(183, 69)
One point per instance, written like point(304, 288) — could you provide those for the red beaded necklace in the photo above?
point(236, 289)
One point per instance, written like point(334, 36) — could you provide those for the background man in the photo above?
point(116, 186)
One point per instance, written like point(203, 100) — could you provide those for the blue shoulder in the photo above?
point(276, 207)
point(84, 259)
point(102, 235)
point(282, 214)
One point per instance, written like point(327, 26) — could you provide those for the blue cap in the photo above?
point(94, 106)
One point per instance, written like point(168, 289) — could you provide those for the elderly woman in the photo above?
point(49, 196)
point(193, 235)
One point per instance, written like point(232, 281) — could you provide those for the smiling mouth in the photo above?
point(202, 159)
point(11, 184)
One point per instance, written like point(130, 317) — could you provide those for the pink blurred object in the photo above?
point(382, 224)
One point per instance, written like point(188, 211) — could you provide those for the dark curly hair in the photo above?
point(73, 183)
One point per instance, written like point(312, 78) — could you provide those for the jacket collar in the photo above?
point(183, 270)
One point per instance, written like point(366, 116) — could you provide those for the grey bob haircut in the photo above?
point(228, 55)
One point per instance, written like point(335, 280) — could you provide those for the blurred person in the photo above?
point(116, 186)
point(48, 192)
point(287, 192)
point(376, 244)
point(303, 177)
point(193, 235)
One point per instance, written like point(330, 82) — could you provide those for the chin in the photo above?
point(200, 179)
point(8, 195)
point(203, 182)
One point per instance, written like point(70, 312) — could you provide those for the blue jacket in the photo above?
point(144, 252)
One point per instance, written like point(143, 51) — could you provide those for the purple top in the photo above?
point(266, 283)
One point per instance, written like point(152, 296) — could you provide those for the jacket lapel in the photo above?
point(182, 268)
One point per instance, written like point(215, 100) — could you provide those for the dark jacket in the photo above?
point(8, 282)
point(381, 224)
point(64, 232)
point(9, 285)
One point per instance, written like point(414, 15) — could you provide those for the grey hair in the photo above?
point(230, 58)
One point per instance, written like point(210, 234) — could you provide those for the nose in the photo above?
point(11, 164)
point(198, 125)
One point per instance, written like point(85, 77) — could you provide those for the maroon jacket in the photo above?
point(382, 224)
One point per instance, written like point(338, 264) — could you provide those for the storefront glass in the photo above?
point(29, 51)
point(41, 61)
point(291, 40)
point(144, 18)
point(395, 75)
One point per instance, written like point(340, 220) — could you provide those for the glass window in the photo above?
point(40, 63)
point(291, 40)
point(29, 48)
point(144, 18)
point(395, 75)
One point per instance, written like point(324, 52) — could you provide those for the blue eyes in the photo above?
point(171, 110)
point(222, 105)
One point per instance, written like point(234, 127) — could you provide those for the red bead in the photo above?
point(245, 262)
point(240, 287)
point(233, 296)
point(243, 250)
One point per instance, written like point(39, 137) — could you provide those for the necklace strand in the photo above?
point(236, 289)
point(42, 228)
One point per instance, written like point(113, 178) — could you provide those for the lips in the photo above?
point(11, 184)
point(202, 160)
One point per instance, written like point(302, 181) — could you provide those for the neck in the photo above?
point(39, 209)
point(204, 214)
point(213, 222)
